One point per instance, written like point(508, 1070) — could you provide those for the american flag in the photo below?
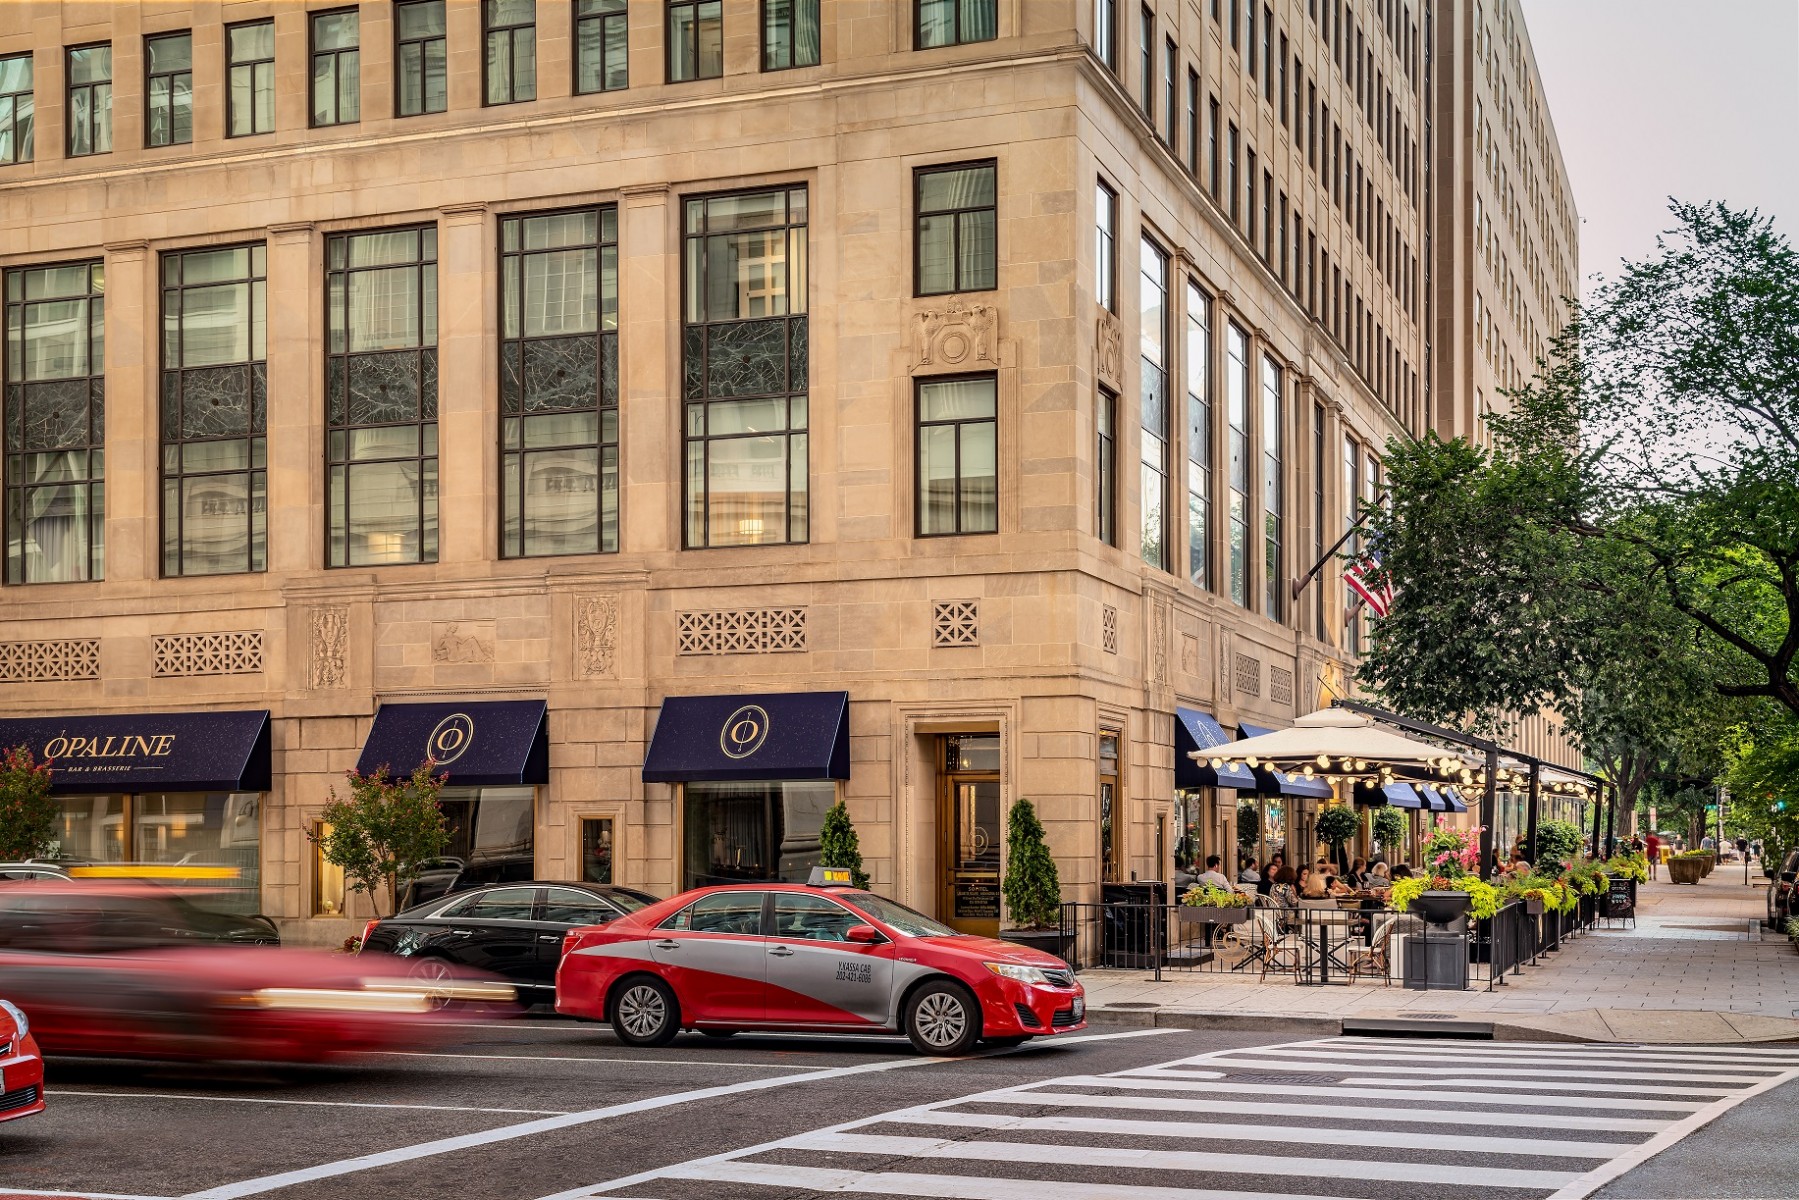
point(1360, 577)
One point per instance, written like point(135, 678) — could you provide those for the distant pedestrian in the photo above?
point(1653, 845)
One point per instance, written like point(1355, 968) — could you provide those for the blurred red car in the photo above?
point(21, 1066)
point(813, 958)
point(120, 969)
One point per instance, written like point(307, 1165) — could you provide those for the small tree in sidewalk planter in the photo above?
point(1336, 826)
point(1558, 842)
point(1391, 825)
point(838, 845)
point(27, 813)
point(1032, 887)
point(385, 831)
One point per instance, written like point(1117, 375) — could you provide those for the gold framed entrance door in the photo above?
point(969, 830)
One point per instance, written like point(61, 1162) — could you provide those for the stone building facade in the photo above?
point(998, 365)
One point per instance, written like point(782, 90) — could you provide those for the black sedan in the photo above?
point(511, 929)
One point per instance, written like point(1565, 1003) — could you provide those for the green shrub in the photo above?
point(838, 845)
point(1391, 825)
point(28, 814)
point(1032, 888)
point(1558, 841)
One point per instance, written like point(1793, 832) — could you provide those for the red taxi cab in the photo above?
point(820, 957)
point(21, 1066)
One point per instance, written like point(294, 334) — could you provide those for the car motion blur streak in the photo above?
point(799, 957)
point(21, 1065)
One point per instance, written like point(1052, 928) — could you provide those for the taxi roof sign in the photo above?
point(831, 877)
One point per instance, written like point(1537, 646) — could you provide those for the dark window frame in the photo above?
point(919, 214)
point(1105, 33)
point(253, 64)
point(1201, 450)
point(1150, 249)
point(605, 19)
point(959, 36)
point(314, 54)
point(150, 78)
point(670, 49)
point(766, 18)
point(919, 425)
point(1105, 472)
point(1106, 265)
point(423, 43)
point(22, 151)
point(511, 32)
point(70, 87)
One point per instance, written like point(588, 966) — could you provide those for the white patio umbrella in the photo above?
point(1330, 742)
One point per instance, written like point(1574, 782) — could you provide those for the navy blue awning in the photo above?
point(1245, 729)
point(784, 735)
point(1455, 802)
point(1299, 785)
point(149, 752)
point(1402, 795)
point(1195, 730)
point(483, 743)
point(1434, 801)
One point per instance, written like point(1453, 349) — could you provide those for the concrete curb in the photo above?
point(1498, 1030)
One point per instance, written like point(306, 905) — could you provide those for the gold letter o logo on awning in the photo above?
point(452, 737)
point(744, 732)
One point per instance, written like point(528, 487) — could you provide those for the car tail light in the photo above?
point(366, 931)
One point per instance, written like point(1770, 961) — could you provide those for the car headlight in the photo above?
point(18, 1015)
point(1021, 974)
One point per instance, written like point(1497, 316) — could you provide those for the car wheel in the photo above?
point(943, 1019)
point(434, 975)
point(1006, 1043)
point(645, 1012)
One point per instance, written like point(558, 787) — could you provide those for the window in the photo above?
point(169, 89)
point(566, 906)
point(1193, 123)
point(1235, 182)
point(597, 849)
point(696, 40)
point(250, 96)
point(742, 831)
point(328, 891)
point(336, 68)
point(601, 46)
point(724, 912)
point(957, 225)
point(1352, 499)
point(956, 22)
point(1105, 32)
point(1274, 582)
point(958, 456)
point(16, 109)
point(1146, 70)
point(744, 358)
point(790, 34)
point(55, 401)
point(1105, 254)
point(1111, 812)
point(559, 383)
point(1236, 386)
point(1212, 146)
point(90, 100)
point(1106, 468)
point(1171, 112)
point(1249, 59)
point(421, 80)
point(510, 65)
point(381, 397)
point(801, 917)
point(214, 411)
point(1318, 464)
point(1153, 315)
point(1198, 352)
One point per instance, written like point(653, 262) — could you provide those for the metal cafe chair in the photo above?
point(1371, 958)
point(1281, 950)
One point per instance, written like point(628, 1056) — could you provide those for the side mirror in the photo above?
point(863, 935)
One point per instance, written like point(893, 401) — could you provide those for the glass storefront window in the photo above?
point(327, 880)
point(1192, 815)
point(491, 832)
point(596, 850)
point(196, 829)
point(91, 829)
point(1274, 827)
point(738, 832)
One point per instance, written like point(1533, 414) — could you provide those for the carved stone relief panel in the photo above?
point(958, 336)
point(329, 648)
point(596, 634)
point(462, 642)
point(1108, 350)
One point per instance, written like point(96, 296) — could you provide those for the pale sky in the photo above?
point(1695, 99)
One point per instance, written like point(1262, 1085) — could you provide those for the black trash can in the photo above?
point(1129, 922)
point(1436, 960)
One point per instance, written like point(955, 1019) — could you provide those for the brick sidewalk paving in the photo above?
point(1695, 950)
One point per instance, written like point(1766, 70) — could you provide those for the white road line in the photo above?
point(1287, 1134)
point(1603, 1174)
point(521, 1112)
point(1582, 1060)
point(952, 1187)
point(12, 1193)
point(1741, 1055)
point(570, 1058)
point(1277, 1064)
point(383, 1158)
point(1548, 1085)
point(1361, 1169)
point(1774, 1052)
point(1485, 1099)
point(1344, 1112)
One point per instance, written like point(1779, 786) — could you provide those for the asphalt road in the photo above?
point(541, 1108)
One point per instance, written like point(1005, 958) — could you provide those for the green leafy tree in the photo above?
point(28, 815)
point(838, 845)
point(1335, 826)
point(1032, 887)
point(1558, 841)
point(1249, 827)
point(1391, 825)
point(385, 830)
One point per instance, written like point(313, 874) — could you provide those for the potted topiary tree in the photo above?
point(838, 845)
point(1335, 826)
point(1391, 825)
point(1032, 887)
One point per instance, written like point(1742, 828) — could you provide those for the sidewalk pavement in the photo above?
point(1696, 968)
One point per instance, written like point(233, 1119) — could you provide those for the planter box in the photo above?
point(1440, 908)
point(1197, 915)
point(1533, 905)
point(1685, 870)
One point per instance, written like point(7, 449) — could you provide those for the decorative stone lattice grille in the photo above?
point(1108, 628)
point(955, 623)
point(1249, 675)
point(44, 662)
point(742, 631)
point(237, 653)
point(1280, 685)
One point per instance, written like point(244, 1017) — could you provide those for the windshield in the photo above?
point(630, 901)
point(891, 912)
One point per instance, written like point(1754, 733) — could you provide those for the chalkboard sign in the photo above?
point(1618, 899)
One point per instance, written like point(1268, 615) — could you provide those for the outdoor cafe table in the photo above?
point(1353, 914)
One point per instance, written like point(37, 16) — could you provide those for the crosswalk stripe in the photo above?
point(1187, 1160)
point(1548, 1085)
point(1204, 1130)
point(1276, 1064)
point(1482, 1098)
point(951, 1187)
point(1347, 1112)
point(1411, 1048)
point(1528, 1060)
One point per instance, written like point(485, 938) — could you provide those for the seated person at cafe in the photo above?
point(1379, 878)
point(1246, 871)
point(1282, 891)
point(1213, 875)
point(1336, 886)
point(1402, 871)
point(1317, 887)
point(1358, 872)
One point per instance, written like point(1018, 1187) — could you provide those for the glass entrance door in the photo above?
point(969, 825)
